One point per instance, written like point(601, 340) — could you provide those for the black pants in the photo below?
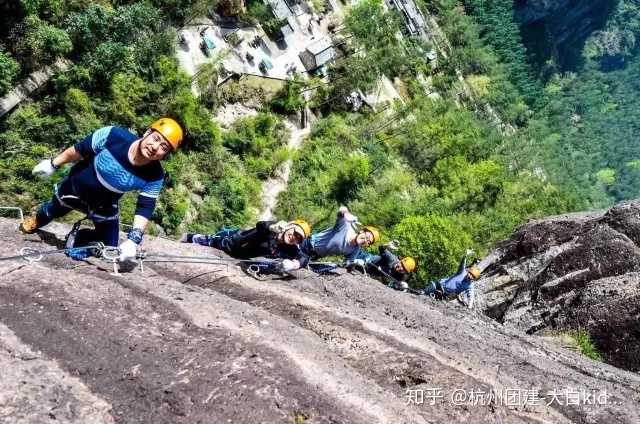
point(105, 217)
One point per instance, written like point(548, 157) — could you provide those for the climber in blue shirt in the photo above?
point(460, 283)
point(108, 163)
point(343, 239)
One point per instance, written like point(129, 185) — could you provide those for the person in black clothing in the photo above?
point(389, 268)
point(267, 239)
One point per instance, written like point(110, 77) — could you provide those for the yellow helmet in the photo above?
point(408, 263)
point(170, 130)
point(304, 225)
point(374, 232)
point(475, 272)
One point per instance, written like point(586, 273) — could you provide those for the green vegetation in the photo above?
point(582, 127)
point(585, 345)
point(434, 186)
point(438, 175)
point(260, 142)
point(8, 71)
point(123, 74)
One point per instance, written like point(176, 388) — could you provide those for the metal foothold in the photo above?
point(27, 254)
point(253, 270)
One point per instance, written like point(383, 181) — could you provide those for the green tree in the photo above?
point(80, 111)
point(89, 27)
point(126, 98)
point(290, 98)
point(9, 69)
point(42, 43)
point(436, 243)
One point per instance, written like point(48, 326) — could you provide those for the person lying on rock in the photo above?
point(108, 163)
point(459, 284)
point(267, 239)
point(343, 239)
point(390, 269)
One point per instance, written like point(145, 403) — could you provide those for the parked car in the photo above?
point(207, 45)
point(265, 65)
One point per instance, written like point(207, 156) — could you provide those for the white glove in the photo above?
point(393, 245)
point(128, 250)
point(348, 216)
point(469, 252)
point(358, 262)
point(290, 265)
point(44, 169)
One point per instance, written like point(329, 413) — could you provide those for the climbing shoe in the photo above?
point(29, 225)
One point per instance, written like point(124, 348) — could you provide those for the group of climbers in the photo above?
point(296, 245)
point(113, 161)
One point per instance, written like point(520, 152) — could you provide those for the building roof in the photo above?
point(413, 19)
point(280, 8)
point(319, 46)
point(322, 51)
point(286, 29)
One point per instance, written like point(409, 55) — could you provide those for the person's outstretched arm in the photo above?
point(463, 261)
point(86, 148)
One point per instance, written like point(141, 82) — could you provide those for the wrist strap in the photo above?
point(54, 166)
point(135, 235)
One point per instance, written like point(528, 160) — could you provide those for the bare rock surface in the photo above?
point(203, 343)
point(571, 272)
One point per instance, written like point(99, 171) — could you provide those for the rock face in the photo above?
point(561, 24)
point(202, 343)
point(579, 271)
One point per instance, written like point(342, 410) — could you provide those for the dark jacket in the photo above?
point(384, 263)
point(261, 241)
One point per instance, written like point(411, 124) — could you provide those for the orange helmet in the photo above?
point(408, 263)
point(373, 231)
point(170, 130)
point(302, 225)
point(475, 272)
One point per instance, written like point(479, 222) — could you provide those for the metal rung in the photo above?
point(14, 208)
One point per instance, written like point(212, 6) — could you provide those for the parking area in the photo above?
point(249, 50)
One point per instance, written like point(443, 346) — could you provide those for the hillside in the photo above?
point(202, 343)
point(571, 272)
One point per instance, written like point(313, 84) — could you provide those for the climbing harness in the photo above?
point(439, 294)
point(397, 283)
point(76, 203)
point(258, 269)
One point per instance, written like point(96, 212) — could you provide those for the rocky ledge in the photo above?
point(573, 272)
point(202, 343)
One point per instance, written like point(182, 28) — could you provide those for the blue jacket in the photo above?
point(335, 241)
point(105, 172)
point(460, 283)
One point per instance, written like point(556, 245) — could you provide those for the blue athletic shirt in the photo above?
point(106, 173)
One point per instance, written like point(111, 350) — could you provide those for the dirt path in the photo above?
point(202, 343)
point(280, 180)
